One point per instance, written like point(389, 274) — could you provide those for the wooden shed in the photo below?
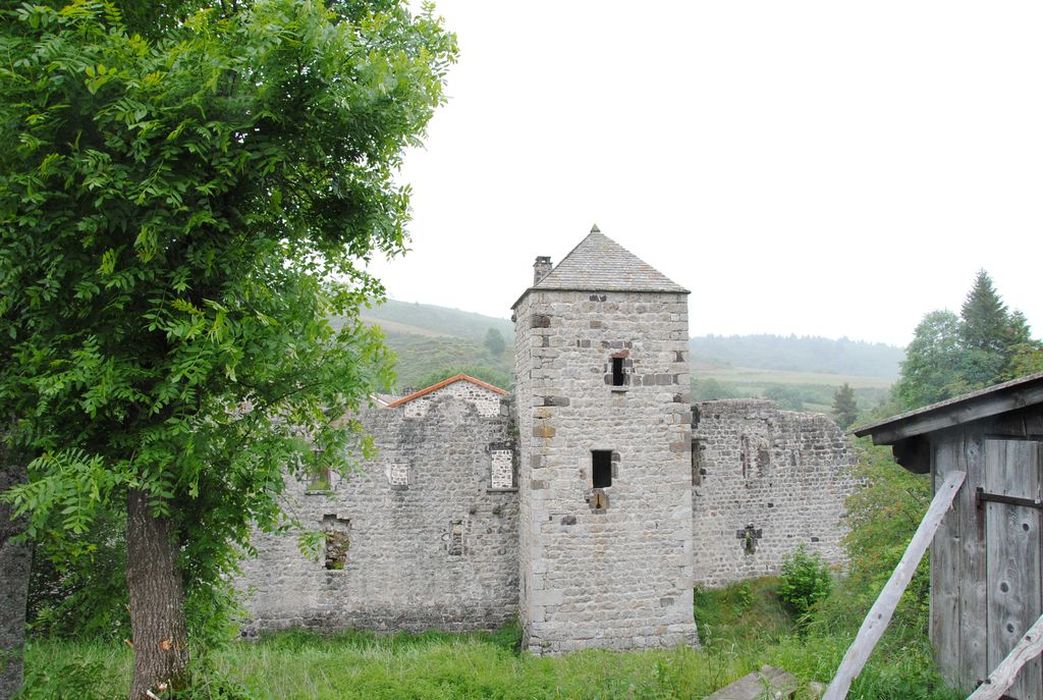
point(986, 556)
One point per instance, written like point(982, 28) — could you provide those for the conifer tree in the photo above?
point(984, 318)
point(845, 407)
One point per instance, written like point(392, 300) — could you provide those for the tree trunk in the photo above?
point(14, 582)
point(157, 610)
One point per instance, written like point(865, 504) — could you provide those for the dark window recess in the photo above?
point(697, 476)
point(617, 371)
point(337, 531)
point(602, 461)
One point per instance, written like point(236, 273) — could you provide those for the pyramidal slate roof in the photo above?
point(599, 264)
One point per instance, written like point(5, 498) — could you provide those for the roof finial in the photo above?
point(595, 229)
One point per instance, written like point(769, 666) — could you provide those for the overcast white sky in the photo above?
point(818, 168)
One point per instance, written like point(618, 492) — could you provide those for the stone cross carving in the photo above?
point(749, 538)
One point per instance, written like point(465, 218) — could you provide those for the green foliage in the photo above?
point(494, 342)
point(65, 671)
point(931, 371)
point(804, 580)
point(845, 407)
point(951, 355)
point(83, 595)
point(744, 614)
point(984, 317)
point(431, 320)
point(182, 209)
point(884, 515)
point(710, 389)
point(742, 628)
point(486, 374)
point(419, 359)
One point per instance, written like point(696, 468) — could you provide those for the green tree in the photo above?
point(932, 367)
point(489, 375)
point(182, 208)
point(845, 408)
point(494, 342)
point(985, 333)
point(1026, 353)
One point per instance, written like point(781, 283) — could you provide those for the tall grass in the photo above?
point(743, 627)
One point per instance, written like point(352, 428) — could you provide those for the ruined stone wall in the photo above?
point(764, 482)
point(610, 569)
point(419, 539)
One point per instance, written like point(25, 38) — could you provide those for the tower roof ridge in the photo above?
point(598, 263)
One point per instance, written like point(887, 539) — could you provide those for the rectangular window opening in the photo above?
point(319, 479)
point(337, 532)
point(602, 462)
point(617, 371)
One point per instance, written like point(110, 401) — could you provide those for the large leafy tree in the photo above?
point(931, 370)
point(186, 193)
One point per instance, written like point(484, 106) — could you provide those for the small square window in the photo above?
point(319, 480)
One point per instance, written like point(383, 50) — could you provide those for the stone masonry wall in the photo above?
point(764, 482)
point(419, 539)
point(610, 569)
point(486, 402)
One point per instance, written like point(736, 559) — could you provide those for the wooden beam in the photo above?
point(879, 616)
point(954, 412)
point(1002, 677)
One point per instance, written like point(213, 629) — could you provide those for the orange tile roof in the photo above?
point(444, 383)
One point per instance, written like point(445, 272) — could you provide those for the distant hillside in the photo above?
point(427, 319)
point(432, 342)
point(793, 354)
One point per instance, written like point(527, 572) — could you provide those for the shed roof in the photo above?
point(990, 401)
point(444, 383)
point(599, 264)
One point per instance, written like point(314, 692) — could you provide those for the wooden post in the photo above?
point(1002, 677)
point(879, 616)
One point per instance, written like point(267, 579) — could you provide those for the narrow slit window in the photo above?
point(602, 462)
point(617, 371)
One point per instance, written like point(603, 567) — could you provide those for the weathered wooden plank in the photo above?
point(1002, 677)
point(973, 609)
point(945, 566)
point(880, 614)
point(1026, 423)
point(1013, 546)
point(955, 412)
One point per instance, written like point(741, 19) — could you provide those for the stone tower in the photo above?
point(605, 474)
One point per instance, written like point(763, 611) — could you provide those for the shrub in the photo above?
point(804, 581)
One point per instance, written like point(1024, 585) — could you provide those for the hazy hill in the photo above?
point(434, 341)
point(430, 320)
point(793, 354)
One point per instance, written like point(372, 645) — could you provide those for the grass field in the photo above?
point(742, 627)
point(749, 375)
